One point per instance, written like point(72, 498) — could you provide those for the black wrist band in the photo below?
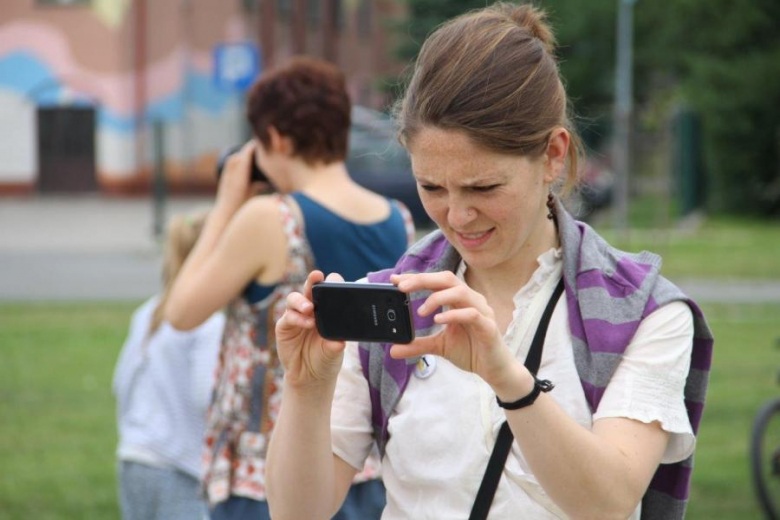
point(540, 385)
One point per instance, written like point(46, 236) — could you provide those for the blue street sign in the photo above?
point(236, 65)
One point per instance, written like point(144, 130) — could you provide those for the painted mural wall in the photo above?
point(134, 67)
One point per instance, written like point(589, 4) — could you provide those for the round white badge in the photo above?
point(425, 366)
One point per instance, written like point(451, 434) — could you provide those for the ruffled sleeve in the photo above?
point(649, 383)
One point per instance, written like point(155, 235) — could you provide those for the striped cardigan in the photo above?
point(608, 294)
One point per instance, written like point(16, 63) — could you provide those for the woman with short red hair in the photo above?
point(255, 250)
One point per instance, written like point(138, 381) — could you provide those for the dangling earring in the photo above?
point(550, 206)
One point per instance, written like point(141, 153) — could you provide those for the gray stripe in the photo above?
point(570, 239)
point(658, 506)
point(595, 368)
point(389, 394)
point(700, 324)
point(448, 262)
point(596, 303)
point(422, 244)
point(696, 385)
point(666, 292)
point(375, 368)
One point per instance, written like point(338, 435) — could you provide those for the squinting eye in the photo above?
point(428, 187)
point(483, 189)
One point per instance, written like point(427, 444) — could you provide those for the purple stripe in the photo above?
point(397, 368)
point(422, 260)
point(377, 415)
point(435, 250)
point(650, 307)
point(696, 310)
point(695, 411)
point(604, 336)
point(593, 394)
point(382, 276)
point(422, 322)
point(633, 272)
point(596, 278)
point(701, 358)
point(672, 480)
point(412, 264)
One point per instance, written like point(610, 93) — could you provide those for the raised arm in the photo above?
point(300, 455)
point(234, 246)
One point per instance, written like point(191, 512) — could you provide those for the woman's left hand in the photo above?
point(470, 339)
point(235, 184)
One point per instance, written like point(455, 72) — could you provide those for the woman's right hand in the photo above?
point(307, 358)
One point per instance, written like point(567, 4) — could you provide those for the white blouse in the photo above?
point(445, 425)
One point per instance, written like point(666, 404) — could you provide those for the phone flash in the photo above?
point(394, 330)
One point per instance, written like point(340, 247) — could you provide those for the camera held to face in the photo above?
point(257, 174)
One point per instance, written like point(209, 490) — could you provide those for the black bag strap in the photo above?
point(495, 467)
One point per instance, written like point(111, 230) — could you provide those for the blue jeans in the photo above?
point(149, 493)
point(364, 501)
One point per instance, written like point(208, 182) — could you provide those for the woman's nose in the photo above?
point(460, 214)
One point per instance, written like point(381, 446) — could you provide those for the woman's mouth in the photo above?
point(474, 240)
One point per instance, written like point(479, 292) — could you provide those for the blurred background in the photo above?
point(113, 114)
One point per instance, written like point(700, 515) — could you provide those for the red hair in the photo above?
point(307, 102)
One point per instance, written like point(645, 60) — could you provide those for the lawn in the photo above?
point(720, 248)
point(713, 247)
point(57, 433)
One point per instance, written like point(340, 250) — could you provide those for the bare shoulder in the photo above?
point(258, 216)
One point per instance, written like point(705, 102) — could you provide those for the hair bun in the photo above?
point(535, 21)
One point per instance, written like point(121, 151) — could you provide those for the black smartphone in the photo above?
point(351, 311)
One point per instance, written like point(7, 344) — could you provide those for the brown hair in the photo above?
point(182, 234)
point(307, 102)
point(493, 75)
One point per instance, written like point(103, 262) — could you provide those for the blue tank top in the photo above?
point(341, 246)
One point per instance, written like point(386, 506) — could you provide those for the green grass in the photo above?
point(744, 375)
point(722, 247)
point(57, 428)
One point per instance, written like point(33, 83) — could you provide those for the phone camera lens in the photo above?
point(391, 315)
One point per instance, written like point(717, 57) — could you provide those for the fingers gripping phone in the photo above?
point(349, 311)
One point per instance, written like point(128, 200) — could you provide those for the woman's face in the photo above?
point(490, 206)
point(272, 163)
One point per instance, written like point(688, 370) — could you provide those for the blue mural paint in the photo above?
point(25, 74)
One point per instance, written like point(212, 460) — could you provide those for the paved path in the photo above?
point(81, 248)
point(98, 248)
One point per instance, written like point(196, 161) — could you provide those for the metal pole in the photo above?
point(158, 181)
point(622, 112)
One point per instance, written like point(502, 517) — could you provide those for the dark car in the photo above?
point(378, 162)
point(596, 188)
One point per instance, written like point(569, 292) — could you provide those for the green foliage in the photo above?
point(719, 57)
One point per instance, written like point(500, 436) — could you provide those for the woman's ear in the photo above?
point(556, 153)
point(280, 143)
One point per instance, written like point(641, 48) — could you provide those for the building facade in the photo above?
point(97, 95)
